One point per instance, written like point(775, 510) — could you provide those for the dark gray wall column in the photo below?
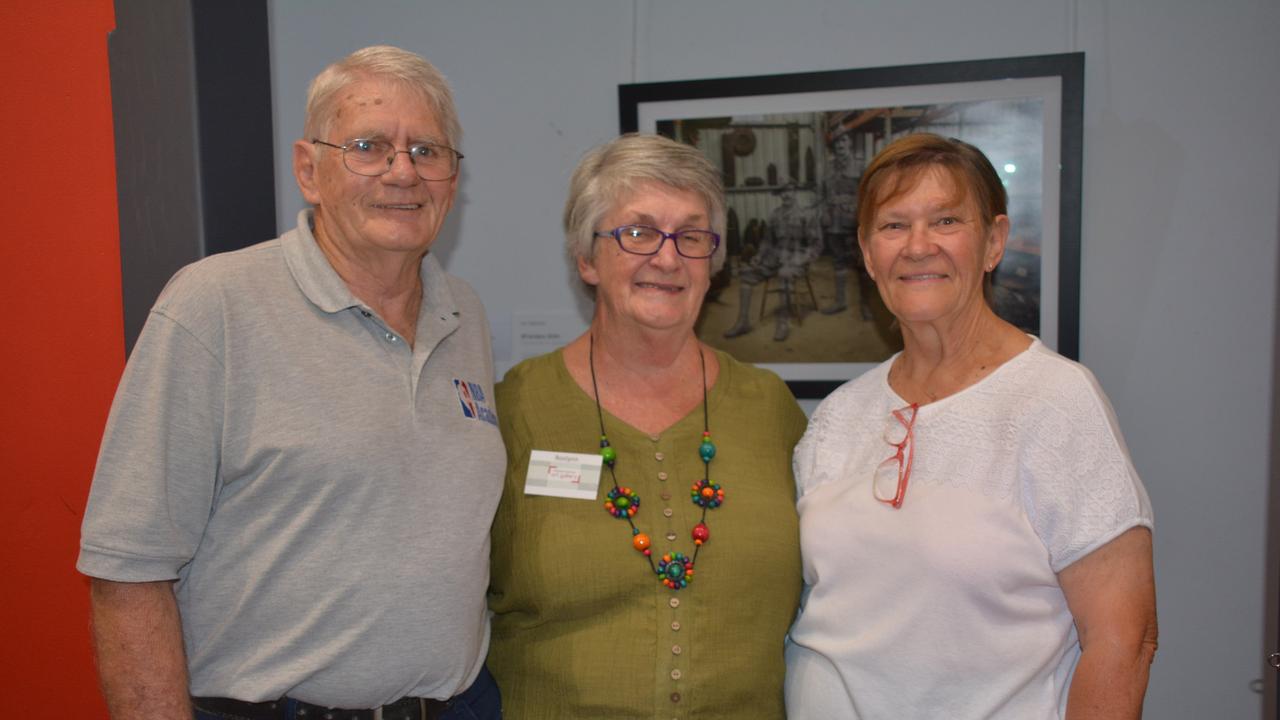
point(191, 99)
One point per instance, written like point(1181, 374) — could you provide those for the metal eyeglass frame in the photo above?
point(391, 159)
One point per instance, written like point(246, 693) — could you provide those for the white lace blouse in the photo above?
point(950, 606)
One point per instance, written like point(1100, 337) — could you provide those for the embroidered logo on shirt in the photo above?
point(471, 397)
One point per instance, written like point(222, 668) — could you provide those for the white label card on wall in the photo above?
point(535, 334)
point(563, 474)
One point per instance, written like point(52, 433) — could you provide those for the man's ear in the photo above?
point(304, 171)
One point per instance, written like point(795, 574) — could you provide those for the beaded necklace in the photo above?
point(674, 569)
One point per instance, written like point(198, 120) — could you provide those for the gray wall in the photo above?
point(1181, 179)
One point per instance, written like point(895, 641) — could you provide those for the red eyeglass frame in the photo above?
point(905, 452)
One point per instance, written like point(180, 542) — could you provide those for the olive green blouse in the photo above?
point(582, 628)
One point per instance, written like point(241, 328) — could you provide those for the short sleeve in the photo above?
point(155, 481)
point(1079, 486)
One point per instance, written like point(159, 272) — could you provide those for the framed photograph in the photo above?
point(794, 296)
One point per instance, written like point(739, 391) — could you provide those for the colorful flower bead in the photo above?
point(675, 570)
point(706, 494)
point(622, 503)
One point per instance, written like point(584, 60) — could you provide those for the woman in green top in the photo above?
point(664, 588)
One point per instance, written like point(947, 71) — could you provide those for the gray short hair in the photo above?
point(381, 62)
point(608, 173)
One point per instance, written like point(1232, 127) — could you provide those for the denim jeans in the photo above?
point(481, 701)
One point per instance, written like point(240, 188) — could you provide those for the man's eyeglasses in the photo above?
point(895, 471)
point(372, 158)
point(646, 240)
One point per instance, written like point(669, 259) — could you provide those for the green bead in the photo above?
point(608, 454)
point(622, 502)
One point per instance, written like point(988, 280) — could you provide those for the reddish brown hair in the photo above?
point(898, 167)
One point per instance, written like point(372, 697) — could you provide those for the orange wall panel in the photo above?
point(63, 349)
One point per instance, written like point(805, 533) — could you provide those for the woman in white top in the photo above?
point(976, 541)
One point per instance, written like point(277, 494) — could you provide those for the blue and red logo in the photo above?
point(471, 397)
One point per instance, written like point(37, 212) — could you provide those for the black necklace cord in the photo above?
point(604, 437)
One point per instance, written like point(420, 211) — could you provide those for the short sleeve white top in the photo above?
point(950, 606)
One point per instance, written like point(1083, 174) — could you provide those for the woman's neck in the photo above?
point(941, 359)
point(644, 351)
point(648, 380)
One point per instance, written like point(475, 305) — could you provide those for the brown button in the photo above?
point(668, 512)
point(666, 496)
point(675, 697)
point(676, 650)
point(675, 625)
point(674, 602)
point(659, 456)
point(675, 674)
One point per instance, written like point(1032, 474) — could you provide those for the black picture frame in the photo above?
point(1052, 83)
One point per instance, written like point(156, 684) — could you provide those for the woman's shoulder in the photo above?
point(856, 394)
point(532, 372)
point(760, 387)
point(1051, 378)
point(746, 377)
point(758, 401)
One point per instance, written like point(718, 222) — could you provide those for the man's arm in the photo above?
point(1112, 596)
point(137, 637)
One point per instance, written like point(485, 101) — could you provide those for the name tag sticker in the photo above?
point(563, 474)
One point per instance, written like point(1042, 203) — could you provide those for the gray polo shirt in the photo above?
point(321, 491)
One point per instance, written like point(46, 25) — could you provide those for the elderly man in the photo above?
point(291, 509)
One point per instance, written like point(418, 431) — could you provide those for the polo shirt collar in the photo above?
point(324, 288)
